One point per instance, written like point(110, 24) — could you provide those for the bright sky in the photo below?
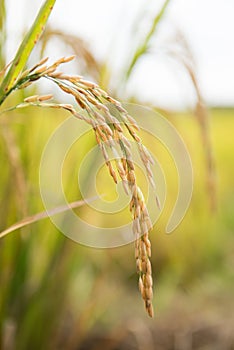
point(111, 28)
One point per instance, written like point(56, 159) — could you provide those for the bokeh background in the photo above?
point(56, 294)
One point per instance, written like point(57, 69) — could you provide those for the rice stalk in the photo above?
point(110, 133)
point(201, 114)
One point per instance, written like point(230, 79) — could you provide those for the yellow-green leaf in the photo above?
point(25, 49)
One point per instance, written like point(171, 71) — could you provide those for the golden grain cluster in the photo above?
point(110, 131)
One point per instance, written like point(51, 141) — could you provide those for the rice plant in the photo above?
point(108, 130)
point(55, 295)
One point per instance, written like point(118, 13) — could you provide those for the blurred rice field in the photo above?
point(56, 294)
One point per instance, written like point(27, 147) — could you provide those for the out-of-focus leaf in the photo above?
point(143, 47)
point(2, 32)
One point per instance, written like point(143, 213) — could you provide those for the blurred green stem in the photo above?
point(142, 48)
point(2, 33)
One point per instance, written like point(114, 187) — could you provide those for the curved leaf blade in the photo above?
point(44, 215)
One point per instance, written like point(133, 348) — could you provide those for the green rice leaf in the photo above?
point(25, 49)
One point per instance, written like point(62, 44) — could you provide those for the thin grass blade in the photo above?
point(143, 47)
point(43, 215)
